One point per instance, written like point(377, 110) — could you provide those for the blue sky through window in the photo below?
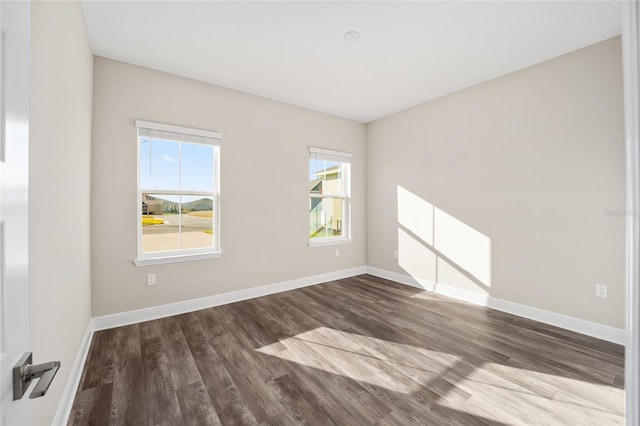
point(168, 165)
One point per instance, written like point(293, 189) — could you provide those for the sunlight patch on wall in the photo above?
point(416, 258)
point(415, 214)
point(436, 247)
point(451, 275)
point(467, 248)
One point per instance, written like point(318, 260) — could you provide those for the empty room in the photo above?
point(331, 213)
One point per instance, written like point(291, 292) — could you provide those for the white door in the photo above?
point(14, 186)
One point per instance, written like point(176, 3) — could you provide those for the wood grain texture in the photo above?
point(361, 350)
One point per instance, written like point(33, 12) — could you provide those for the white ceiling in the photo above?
point(294, 52)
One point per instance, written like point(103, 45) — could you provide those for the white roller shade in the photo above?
point(168, 132)
point(329, 155)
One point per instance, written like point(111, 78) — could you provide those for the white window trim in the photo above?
point(175, 259)
point(155, 258)
point(329, 241)
point(343, 157)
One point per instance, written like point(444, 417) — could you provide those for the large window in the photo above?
point(329, 216)
point(178, 193)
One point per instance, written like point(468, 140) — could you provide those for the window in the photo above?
point(329, 216)
point(178, 193)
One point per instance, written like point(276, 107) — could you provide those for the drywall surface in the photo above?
point(264, 188)
point(60, 157)
point(513, 188)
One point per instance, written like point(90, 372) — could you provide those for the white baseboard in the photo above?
point(604, 332)
point(66, 402)
point(401, 278)
point(588, 328)
point(162, 311)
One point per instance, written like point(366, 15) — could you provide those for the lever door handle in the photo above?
point(46, 372)
point(24, 373)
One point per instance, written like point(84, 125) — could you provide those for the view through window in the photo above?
point(178, 190)
point(328, 195)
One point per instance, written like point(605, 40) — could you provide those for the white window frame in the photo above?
point(345, 159)
point(179, 134)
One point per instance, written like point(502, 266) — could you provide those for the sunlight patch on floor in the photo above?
point(493, 391)
point(523, 391)
point(377, 362)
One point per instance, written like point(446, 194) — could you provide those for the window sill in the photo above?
point(328, 242)
point(174, 259)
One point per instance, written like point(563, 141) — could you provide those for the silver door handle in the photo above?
point(24, 372)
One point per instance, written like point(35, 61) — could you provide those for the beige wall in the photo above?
point(264, 146)
point(60, 156)
point(502, 189)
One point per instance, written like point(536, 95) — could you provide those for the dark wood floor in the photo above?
point(358, 351)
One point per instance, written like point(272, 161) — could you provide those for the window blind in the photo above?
point(329, 155)
point(168, 132)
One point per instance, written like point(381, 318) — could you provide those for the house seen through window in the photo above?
point(178, 191)
point(329, 217)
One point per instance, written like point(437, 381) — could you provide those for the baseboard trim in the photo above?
point(66, 402)
point(604, 332)
point(147, 314)
point(401, 278)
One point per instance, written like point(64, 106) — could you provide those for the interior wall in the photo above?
point(61, 83)
point(264, 188)
point(513, 188)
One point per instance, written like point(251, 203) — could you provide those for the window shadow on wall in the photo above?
point(436, 248)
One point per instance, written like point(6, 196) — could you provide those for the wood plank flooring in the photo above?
point(358, 351)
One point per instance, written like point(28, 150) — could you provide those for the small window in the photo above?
point(329, 202)
point(178, 193)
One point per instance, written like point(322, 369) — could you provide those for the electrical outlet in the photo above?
point(601, 290)
point(337, 252)
point(151, 279)
point(395, 254)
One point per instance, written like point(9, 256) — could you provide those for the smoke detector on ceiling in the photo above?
point(351, 36)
